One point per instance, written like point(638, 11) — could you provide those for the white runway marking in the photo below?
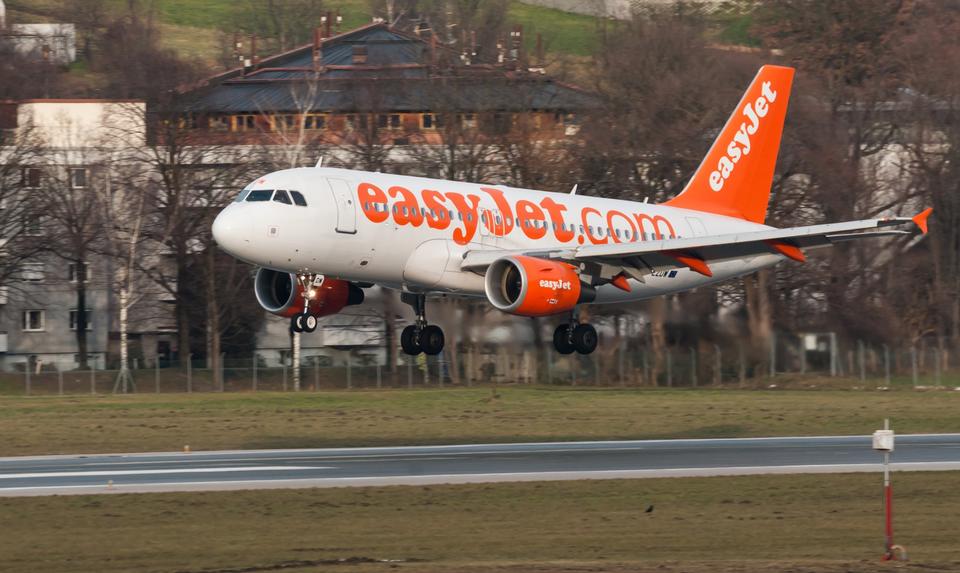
point(156, 472)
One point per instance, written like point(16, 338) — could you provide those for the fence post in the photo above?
point(718, 369)
point(156, 373)
point(596, 368)
point(59, 381)
point(937, 365)
point(27, 371)
point(802, 351)
point(833, 354)
point(223, 357)
point(742, 370)
point(886, 364)
point(283, 367)
point(693, 367)
point(426, 370)
point(913, 364)
point(254, 370)
point(349, 371)
point(620, 357)
point(860, 352)
point(646, 370)
point(93, 378)
point(409, 372)
point(316, 373)
point(773, 354)
point(550, 367)
point(189, 373)
point(669, 369)
point(379, 376)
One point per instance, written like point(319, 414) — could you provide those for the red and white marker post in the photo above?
point(883, 443)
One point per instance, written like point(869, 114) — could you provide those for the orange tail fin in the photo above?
point(735, 176)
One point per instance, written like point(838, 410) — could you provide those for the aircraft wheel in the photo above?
point(431, 340)
point(309, 323)
point(409, 342)
point(585, 338)
point(296, 323)
point(561, 339)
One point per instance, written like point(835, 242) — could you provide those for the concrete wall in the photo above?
point(72, 124)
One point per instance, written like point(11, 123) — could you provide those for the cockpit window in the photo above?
point(260, 195)
point(281, 197)
point(298, 198)
point(243, 195)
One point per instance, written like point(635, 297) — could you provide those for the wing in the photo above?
point(637, 259)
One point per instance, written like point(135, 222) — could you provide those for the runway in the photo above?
point(351, 467)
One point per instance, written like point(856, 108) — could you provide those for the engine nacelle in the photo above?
point(281, 294)
point(528, 286)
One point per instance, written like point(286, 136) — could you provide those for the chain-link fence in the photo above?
point(785, 359)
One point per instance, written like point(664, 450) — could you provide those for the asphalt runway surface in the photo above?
point(351, 467)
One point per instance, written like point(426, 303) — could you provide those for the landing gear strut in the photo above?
point(306, 322)
point(420, 336)
point(575, 337)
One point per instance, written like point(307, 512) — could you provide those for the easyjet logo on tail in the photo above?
point(739, 146)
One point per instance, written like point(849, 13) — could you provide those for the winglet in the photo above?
point(921, 219)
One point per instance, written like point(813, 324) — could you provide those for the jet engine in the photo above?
point(528, 286)
point(281, 294)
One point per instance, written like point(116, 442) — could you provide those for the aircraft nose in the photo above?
point(229, 231)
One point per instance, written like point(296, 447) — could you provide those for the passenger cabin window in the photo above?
point(298, 198)
point(281, 197)
point(260, 195)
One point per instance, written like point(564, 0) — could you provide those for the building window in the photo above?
point(32, 225)
point(77, 271)
point(431, 121)
point(78, 177)
point(358, 121)
point(74, 316)
point(33, 272)
point(388, 121)
point(359, 54)
point(30, 177)
point(220, 123)
point(243, 122)
point(33, 320)
point(284, 122)
point(314, 121)
point(467, 120)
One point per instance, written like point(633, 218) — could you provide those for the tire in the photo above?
point(431, 340)
point(309, 323)
point(585, 338)
point(561, 340)
point(409, 342)
point(295, 323)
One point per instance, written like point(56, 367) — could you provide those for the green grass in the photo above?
point(562, 32)
point(806, 523)
point(210, 421)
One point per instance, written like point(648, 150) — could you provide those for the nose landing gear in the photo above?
point(306, 322)
point(420, 336)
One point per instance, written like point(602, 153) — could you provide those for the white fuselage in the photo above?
point(412, 233)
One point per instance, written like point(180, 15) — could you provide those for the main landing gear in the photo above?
point(575, 337)
point(306, 322)
point(420, 336)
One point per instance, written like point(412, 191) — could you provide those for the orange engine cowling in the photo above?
point(281, 294)
point(528, 286)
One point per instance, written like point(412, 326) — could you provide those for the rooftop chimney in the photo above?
point(317, 49)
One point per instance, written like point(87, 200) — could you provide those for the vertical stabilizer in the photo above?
point(735, 176)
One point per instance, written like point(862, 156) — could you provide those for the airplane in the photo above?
point(321, 235)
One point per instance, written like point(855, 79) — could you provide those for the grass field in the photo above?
point(165, 422)
point(770, 523)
